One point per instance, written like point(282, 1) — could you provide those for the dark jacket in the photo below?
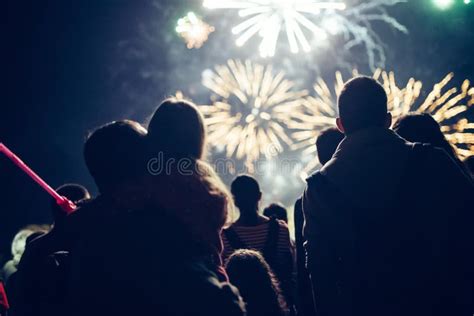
point(304, 296)
point(386, 230)
point(142, 262)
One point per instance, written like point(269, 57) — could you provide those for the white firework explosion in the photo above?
point(308, 22)
point(250, 111)
point(268, 17)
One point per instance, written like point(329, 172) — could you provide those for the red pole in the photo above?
point(3, 299)
point(62, 201)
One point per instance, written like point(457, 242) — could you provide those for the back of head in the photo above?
point(177, 129)
point(327, 142)
point(251, 274)
point(74, 192)
point(362, 104)
point(114, 154)
point(246, 192)
point(277, 211)
point(423, 128)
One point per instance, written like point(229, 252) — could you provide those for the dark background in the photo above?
point(70, 66)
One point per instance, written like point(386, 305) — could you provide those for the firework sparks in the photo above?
point(307, 22)
point(250, 111)
point(355, 26)
point(268, 18)
point(445, 105)
point(319, 112)
point(193, 30)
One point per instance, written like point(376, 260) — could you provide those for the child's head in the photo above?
point(251, 274)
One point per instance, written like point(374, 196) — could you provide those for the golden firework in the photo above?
point(445, 105)
point(250, 111)
point(193, 30)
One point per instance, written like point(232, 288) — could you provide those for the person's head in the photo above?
point(362, 104)
point(277, 211)
point(469, 163)
point(246, 193)
point(177, 128)
point(114, 154)
point(327, 142)
point(74, 192)
point(423, 128)
point(251, 274)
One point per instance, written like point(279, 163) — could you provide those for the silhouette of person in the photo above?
point(141, 255)
point(114, 157)
point(182, 183)
point(383, 234)
point(277, 211)
point(326, 146)
point(41, 280)
point(257, 283)
point(423, 128)
point(254, 231)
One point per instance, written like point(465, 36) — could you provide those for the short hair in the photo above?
point(74, 192)
point(246, 191)
point(327, 143)
point(276, 210)
point(114, 153)
point(177, 128)
point(362, 103)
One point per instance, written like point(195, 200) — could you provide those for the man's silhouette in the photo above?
point(388, 223)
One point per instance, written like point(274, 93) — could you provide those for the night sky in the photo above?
point(70, 66)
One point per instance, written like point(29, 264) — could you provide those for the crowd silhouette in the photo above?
point(385, 227)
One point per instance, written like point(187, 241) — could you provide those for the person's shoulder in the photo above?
point(422, 148)
point(314, 178)
point(429, 155)
point(298, 203)
point(282, 224)
point(231, 227)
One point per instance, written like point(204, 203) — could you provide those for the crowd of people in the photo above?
point(383, 228)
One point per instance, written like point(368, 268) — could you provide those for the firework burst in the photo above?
point(309, 22)
point(193, 30)
point(268, 18)
point(445, 105)
point(250, 111)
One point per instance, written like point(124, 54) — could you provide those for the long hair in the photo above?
point(260, 289)
point(423, 128)
point(177, 130)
